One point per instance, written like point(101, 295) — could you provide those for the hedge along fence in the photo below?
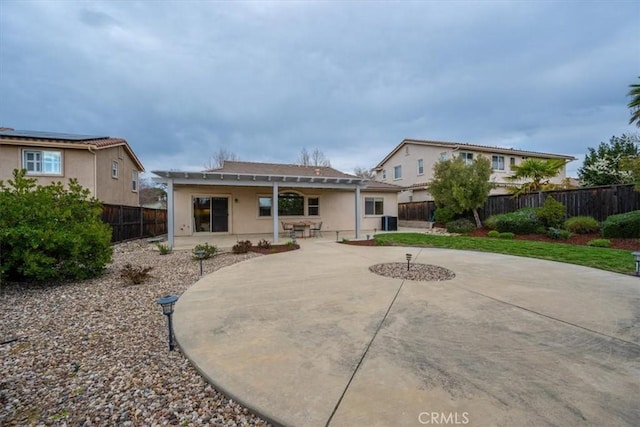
point(597, 202)
point(134, 222)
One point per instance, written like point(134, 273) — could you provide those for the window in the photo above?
point(373, 205)
point(114, 169)
point(313, 206)
point(443, 156)
point(134, 180)
point(290, 204)
point(512, 162)
point(264, 206)
point(384, 174)
point(397, 172)
point(497, 163)
point(42, 162)
point(420, 167)
point(467, 157)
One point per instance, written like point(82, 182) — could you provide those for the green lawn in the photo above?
point(617, 260)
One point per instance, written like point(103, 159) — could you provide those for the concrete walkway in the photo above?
point(313, 338)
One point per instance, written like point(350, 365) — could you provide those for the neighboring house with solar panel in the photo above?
point(107, 166)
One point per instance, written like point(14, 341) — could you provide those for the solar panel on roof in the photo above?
point(49, 135)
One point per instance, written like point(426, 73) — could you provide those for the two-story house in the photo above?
point(107, 166)
point(410, 165)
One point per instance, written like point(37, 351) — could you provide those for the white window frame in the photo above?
point(397, 172)
point(384, 174)
point(467, 157)
point(134, 181)
point(309, 205)
point(42, 161)
point(270, 206)
point(496, 163)
point(375, 201)
point(512, 162)
point(420, 167)
point(114, 169)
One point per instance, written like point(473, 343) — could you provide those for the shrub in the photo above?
point(522, 221)
point(626, 225)
point(51, 233)
point(493, 233)
point(506, 235)
point(558, 233)
point(134, 275)
point(264, 244)
point(164, 249)
point(582, 225)
point(600, 243)
point(462, 226)
point(491, 222)
point(242, 247)
point(443, 215)
point(552, 213)
point(209, 250)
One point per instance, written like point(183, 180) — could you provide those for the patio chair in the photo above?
point(316, 229)
point(286, 227)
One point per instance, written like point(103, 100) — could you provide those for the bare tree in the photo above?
point(217, 159)
point(316, 158)
point(364, 173)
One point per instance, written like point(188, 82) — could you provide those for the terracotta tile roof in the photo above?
point(381, 186)
point(279, 169)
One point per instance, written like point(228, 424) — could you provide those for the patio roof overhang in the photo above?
point(258, 180)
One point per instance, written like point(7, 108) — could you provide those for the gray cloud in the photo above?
point(264, 79)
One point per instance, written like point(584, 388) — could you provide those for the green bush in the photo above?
point(552, 213)
point(582, 225)
point(558, 233)
point(164, 249)
point(443, 215)
point(491, 222)
point(522, 221)
point(493, 233)
point(506, 235)
point(209, 250)
point(242, 247)
point(49, 233)
point(461, 226)
point(626, 225)
point(600, 243)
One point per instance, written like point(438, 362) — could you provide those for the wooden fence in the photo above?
point(132, 222)
point(598, 202)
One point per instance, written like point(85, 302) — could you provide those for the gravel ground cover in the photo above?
point(418, 272)
point(95, 353)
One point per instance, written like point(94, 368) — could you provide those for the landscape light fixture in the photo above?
point(636, 256)
point(293, 237)
point(200, 254)
point(167, 303)
point(408, 261)
point(368, 236)
point(337, 235)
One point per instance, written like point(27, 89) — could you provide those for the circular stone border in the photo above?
point(419, 272)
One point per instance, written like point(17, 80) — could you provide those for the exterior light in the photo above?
point(200, 254)
point(636, 257)
point(167, 303)
point(293, 237)
point(408, 261)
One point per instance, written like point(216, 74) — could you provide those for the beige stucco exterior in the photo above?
point(336, 208)
point(89, 164)
point(407, 155)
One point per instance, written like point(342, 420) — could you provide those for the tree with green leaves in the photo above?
point(634, 104)
point(606, 165)
point(536, 174)
point(460, 186)
point(50, 233)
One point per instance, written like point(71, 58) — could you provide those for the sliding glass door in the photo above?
point(211, 214)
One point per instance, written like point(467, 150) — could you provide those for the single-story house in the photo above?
point(255, 198)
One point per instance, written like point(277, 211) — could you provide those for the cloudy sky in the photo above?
point(262, 79)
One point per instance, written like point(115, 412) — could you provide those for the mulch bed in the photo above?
point(275, 249)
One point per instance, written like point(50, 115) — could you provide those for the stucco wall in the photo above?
point(336, 210)
point(116, 190)
point(75, 164)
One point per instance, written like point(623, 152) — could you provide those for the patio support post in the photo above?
point(170, 225)
point(358, 207)
point(274, 212)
